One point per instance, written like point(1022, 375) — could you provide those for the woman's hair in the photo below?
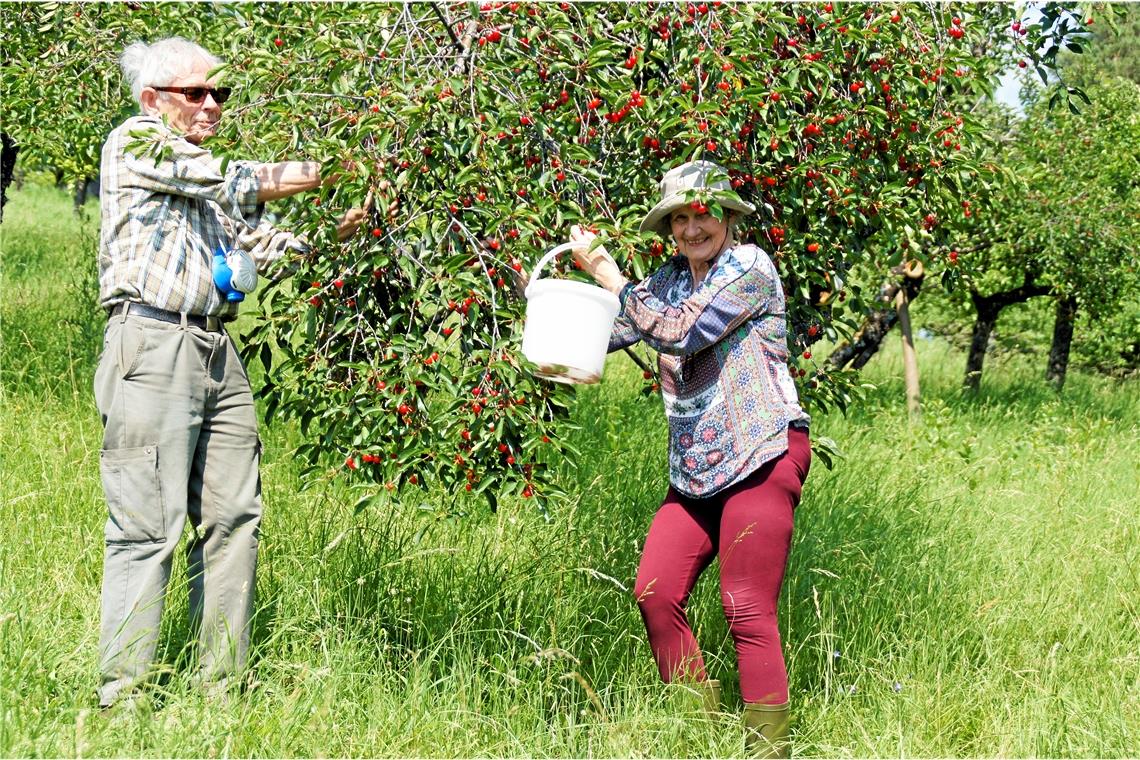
point(160, 63)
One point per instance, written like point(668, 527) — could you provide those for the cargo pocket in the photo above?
point(136, 512)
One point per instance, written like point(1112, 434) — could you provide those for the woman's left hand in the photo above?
point(597, 262)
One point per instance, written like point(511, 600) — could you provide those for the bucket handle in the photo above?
point(546, 259)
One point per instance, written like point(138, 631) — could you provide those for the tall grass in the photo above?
point(963, 587)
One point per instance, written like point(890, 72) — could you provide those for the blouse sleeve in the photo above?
point(739, 287)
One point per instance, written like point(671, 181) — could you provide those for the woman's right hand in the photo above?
point(597, 262)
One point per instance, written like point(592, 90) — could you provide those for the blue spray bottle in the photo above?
point(224, 276)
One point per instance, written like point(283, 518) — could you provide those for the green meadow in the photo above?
point(966, 586)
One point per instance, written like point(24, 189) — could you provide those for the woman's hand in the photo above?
point(597, 262)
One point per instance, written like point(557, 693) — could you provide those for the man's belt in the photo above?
point(201, 321)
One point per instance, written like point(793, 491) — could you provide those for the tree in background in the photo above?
point(1065, 219)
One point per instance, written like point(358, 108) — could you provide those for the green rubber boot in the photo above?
point(710, 697)
point(766, 731)
point(696, 696)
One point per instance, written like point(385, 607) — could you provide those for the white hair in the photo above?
point(160, 63)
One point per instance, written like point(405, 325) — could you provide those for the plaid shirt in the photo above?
point(162, 222)
point(723, 357)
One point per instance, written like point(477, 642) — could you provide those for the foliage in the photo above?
point(484, 131)
point(1067, 212)
point(1112, 52)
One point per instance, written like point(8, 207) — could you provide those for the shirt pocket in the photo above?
point(135, 507)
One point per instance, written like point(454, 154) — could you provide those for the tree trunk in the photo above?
point(1066, 316)
point(983, 327)
point(8, 151)
point(988, 308)
point(910, 359)
point(865, 343)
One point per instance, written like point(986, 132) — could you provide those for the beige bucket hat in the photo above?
point(695, 175)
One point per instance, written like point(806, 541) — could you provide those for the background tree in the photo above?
point(1065, 219)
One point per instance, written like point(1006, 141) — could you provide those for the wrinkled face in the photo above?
point(700, 237)
point(196, 121)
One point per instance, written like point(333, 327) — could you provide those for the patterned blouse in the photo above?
point(723, 359)
point(162, 221)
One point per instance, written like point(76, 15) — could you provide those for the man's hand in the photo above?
point(597, 262)
point(353, 219)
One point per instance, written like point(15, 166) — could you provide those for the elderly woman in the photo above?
point(738, 439)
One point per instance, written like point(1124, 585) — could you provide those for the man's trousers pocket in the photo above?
point(136, 511)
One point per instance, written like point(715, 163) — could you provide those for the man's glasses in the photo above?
point(198, 94)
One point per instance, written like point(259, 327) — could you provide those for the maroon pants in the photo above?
point(749, 527)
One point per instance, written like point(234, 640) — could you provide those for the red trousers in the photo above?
point(749, 527)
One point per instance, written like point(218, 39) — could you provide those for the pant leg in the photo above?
point(225, 508)
point(148, 391)
point(681, 543)
point(756, 534)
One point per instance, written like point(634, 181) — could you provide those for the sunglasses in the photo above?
point(198, 94)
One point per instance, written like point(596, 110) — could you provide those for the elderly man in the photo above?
point(180, 433)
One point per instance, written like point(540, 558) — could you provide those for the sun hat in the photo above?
point(695, 175)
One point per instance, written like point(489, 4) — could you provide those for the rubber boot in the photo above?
point(710, 696)
point(693, 696)
point(766, 730)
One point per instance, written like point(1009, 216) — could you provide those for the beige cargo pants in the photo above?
point(180, 441)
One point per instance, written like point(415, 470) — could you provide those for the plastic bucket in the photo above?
point(568, 326)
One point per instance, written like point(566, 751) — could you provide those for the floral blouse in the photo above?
point(722, 357)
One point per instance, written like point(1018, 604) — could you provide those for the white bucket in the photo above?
point(568, 326)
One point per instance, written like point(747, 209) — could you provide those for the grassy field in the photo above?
point(964, 587)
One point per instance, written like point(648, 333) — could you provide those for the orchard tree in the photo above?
point(1065, 220)
point(484, 131)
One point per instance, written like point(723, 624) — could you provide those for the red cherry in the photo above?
point(350, 463)
point(278, 42)
point(813, 247)
point(807, 354)
point(377, 232)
